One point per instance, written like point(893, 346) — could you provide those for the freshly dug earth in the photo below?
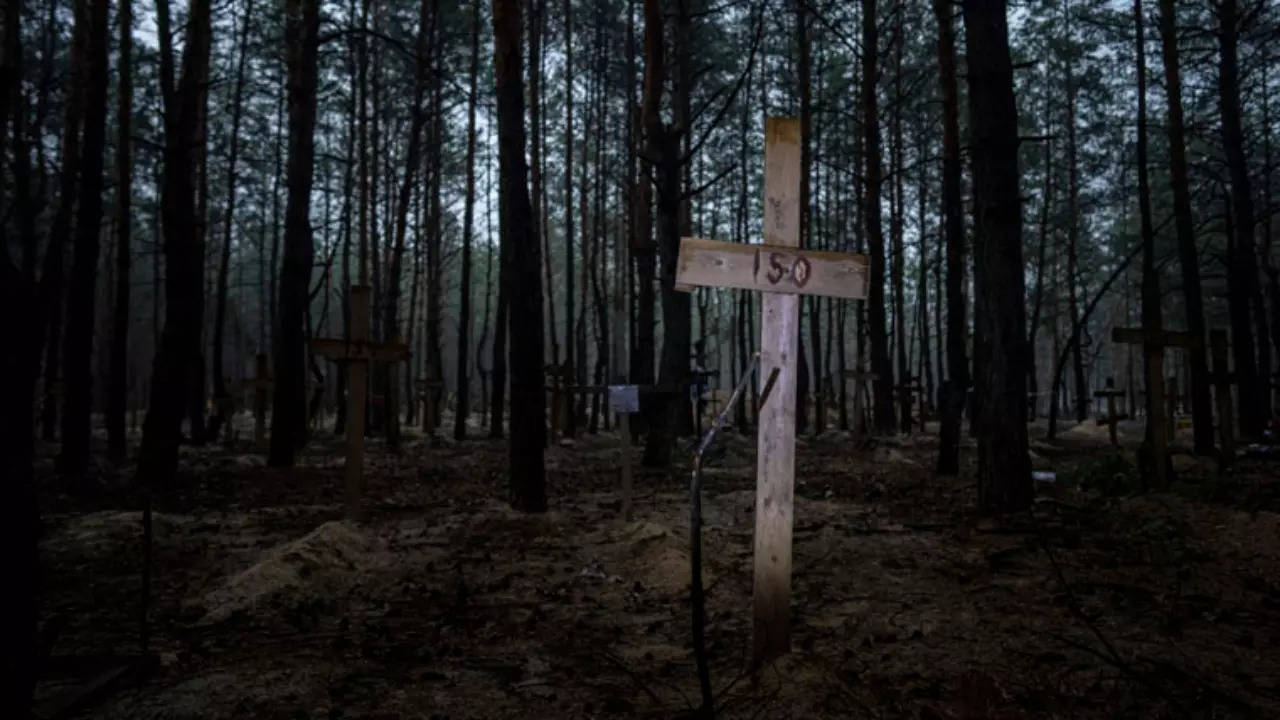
point(1101, 603)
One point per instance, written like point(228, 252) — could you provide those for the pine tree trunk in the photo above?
point(464, 290)
point(957, 383)
point(1156, 474)
point(1188, 253)
point(184, 255)
point(883, 412)
point(224, 262)
point(77, 371)
point(1243, 293)
point(288, 407)
point(1004, 468)
point(1073, 233)
point(528, 412)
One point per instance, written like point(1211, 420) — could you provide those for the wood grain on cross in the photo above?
point(782, 272)
point(357, 353)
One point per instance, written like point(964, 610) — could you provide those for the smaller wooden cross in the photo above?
point(1163, 429)
point(427, 387)
point(357, 353)
point(861, 390)
point(914, 397)
point(261, 383)
point(1110, 393)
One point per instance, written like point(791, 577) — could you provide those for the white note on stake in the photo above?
point(624, 398)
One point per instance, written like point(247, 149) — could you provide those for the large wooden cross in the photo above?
point(782, 272)
point(1163, 429)
point(357, 353)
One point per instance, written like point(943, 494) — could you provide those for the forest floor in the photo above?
point(1101, 603)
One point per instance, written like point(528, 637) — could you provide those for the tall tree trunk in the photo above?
point(51, 289)
point(897, 217)
point(464, 290)
point(922, 291)
point(957, 383)
point(806, 235)
point(528, 412)
point(1004, 467)
point(427, 19)
point(76, 430)
point(570, 361)
point(288, 407)
point(1152, 320)
point(883, 412)
point(118, 383)
point(663, 148)
point(228, 218)
point(1081, 402)
point(1242, 269)
point(20, 516)
point(183, 252)
point(1188, 255)
point(1037, 301)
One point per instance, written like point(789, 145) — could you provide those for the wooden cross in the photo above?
point(1110, 393)
point(782, 272)
point(357, 352)
point(1222, 380)
point(860, 390)
point(261, 383)
point(914, 398)
point(1163, 429)
point(427, 387)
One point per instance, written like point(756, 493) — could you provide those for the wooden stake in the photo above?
point(358, 352)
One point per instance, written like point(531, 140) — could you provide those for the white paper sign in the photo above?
point(624, 398)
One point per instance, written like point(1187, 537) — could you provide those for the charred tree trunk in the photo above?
point(1188, 255)
point(288, 407)
point(528, 431)
point(957, 382)
point(1004, 468)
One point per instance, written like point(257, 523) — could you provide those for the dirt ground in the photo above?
point(1101, 603)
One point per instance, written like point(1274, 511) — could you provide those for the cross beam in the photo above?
point(782, 272)
point(357, 353)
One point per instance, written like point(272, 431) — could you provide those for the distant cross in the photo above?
point(1110, 393)
point(427, 388)
point(782, 272)
point(1163, 429)
point(357, 353)
point(912, 396)
point(260, 383)
point(860, 379)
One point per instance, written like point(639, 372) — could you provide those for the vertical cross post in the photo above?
point(1110, 393)
point(776, 440)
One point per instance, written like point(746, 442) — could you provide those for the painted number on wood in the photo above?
point(785, 267)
